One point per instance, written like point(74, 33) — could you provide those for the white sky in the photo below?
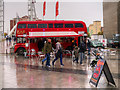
point(83, 11)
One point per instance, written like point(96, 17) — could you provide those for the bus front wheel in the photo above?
point(20, 51)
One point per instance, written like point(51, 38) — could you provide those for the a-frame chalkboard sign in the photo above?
point(101, 67)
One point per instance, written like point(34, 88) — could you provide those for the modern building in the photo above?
point(111, 19)
point(24, 18)
point(14, 20)
point(95, 28)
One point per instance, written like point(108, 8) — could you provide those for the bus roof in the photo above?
point(51, 21)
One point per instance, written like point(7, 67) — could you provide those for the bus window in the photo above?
point(50, 25)
point(21, 40)
point(32, 25)
point(78, 25)
point(22, 26)
point(58, 25)
point(42, 25)
point(68, 25)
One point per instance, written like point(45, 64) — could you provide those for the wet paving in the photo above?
point(21, 72)
point(5, 46)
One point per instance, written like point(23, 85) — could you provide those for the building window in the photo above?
point(42, 25)
point(32, 25)
point(58, 25)
point(50, 25)
point(68, 25)
point(22, 26)
point(78, 25)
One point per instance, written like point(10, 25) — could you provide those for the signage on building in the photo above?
point(20, 31)
point(101, 67)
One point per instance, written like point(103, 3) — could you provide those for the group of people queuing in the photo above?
point(48, 49)
point(78, 50)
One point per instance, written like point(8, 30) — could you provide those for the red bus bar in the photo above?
point(34, 33)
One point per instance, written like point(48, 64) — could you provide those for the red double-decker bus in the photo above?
point(32, 34)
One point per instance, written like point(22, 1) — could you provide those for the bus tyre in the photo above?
point(20, 51)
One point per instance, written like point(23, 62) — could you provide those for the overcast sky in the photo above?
point(82, 11)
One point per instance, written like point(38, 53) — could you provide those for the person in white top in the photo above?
point(58, 53)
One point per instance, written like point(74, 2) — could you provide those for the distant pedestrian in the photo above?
point(88, 46)
point(47, 50)
point(58, 53)
point(76, 53)
point(74, 44)
point(14, 38)
point(82, 49)
point(88, 49)
point(9, 40)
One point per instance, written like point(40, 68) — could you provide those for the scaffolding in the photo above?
point(1, 17)
point(31, 10)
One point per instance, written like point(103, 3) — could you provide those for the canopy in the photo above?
point(54, 34)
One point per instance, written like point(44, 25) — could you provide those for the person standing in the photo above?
point(88, 46)
point(74, 44)
point(9, 40)
point(88, 49)
point(58, 53)
point(47, 50)
point(14, 38)
point(82, 48)
point(76, 54)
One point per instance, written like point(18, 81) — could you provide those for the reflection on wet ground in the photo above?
point(20, 72)
point(29, 73)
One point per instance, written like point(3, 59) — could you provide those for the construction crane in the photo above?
point(31, 10)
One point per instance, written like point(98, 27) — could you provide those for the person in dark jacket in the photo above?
point(47, 50)
point(88, 46)
point(76, 54)
point(82, 48)
point(58, 53)
point(88, 49)
point(9, 40)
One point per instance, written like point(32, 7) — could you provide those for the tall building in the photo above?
point(24, 18)
point(13, 21)
point(1, 17)
point(95, 28)
point(111, 19)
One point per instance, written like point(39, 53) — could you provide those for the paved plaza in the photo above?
point(21, 72)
